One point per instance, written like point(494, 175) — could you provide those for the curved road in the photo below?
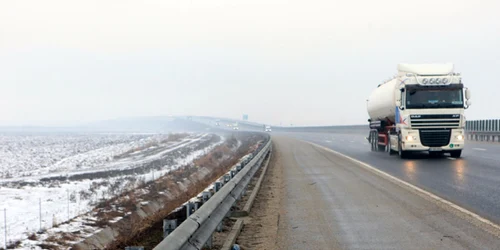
point(472, 182)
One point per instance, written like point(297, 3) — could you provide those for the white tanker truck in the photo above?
point(420, 109)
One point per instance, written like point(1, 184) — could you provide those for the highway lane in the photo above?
point(331, 202)
point(472, 182)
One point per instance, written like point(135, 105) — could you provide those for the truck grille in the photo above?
point(435, 121)
point(435, 137)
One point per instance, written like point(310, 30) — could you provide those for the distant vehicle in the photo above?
point(420, 109)
point(235, 126)
point(217, 123)
point(267, 129)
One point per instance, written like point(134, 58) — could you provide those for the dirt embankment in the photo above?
point(168, 193)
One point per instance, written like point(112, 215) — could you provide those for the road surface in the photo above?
point(472, 182)
point(331, 202)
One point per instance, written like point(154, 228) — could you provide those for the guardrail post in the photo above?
point(218, 186)
point(205, 196)
point(134, 248)
point(169, 226)
point(189, 209)
point(227, 178)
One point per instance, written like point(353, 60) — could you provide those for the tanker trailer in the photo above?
point(420, 109)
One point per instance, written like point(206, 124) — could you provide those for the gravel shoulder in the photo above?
point(260, 229)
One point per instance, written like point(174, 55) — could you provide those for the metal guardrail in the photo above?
point(483, 136)
point(478, 130)
point(490, 125)
point(483, 130)
point(196, 230)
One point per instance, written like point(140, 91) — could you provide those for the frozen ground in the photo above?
point(32, 155)
point(55, 178)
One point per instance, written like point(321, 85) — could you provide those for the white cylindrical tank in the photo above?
point(381, 104)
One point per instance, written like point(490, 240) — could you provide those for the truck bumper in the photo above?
point(411, 141)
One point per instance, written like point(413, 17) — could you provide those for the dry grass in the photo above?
point(14, 244)
point(60, 240)
point(175, 137)
point(33, 236)
point(170, 138)
point(48, 246)
point(218, 161)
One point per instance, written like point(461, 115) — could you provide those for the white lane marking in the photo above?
point(328, 141)
point(415, 188)
point(479, 149)
point(351, 141)
point(451, 158)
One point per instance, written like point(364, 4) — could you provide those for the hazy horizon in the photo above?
point(315, 63)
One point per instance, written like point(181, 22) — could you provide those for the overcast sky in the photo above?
point(301, 62)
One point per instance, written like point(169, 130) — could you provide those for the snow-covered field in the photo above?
point(46, 180)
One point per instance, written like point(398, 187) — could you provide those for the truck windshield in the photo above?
point(434, 98)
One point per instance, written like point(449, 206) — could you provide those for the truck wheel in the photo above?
point(402, 154)
point(456, 153)
point(373, 142)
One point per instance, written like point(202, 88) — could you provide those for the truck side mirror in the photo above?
point(467, 94)
point(468, 102)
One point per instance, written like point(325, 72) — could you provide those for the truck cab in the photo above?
point(421, 109)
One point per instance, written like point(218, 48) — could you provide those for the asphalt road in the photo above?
point(472, 182)
point(331, 202)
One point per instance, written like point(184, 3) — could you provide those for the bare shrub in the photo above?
point(72, 197)
point(175, 137)
point(14, 244)
point(33, 237)
point(85, 195)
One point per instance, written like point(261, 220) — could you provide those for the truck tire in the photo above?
point(456, 153)
point(373, 140)
point(402, 153)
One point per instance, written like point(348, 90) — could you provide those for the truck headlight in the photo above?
point(411, 138)
point(459, 137)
